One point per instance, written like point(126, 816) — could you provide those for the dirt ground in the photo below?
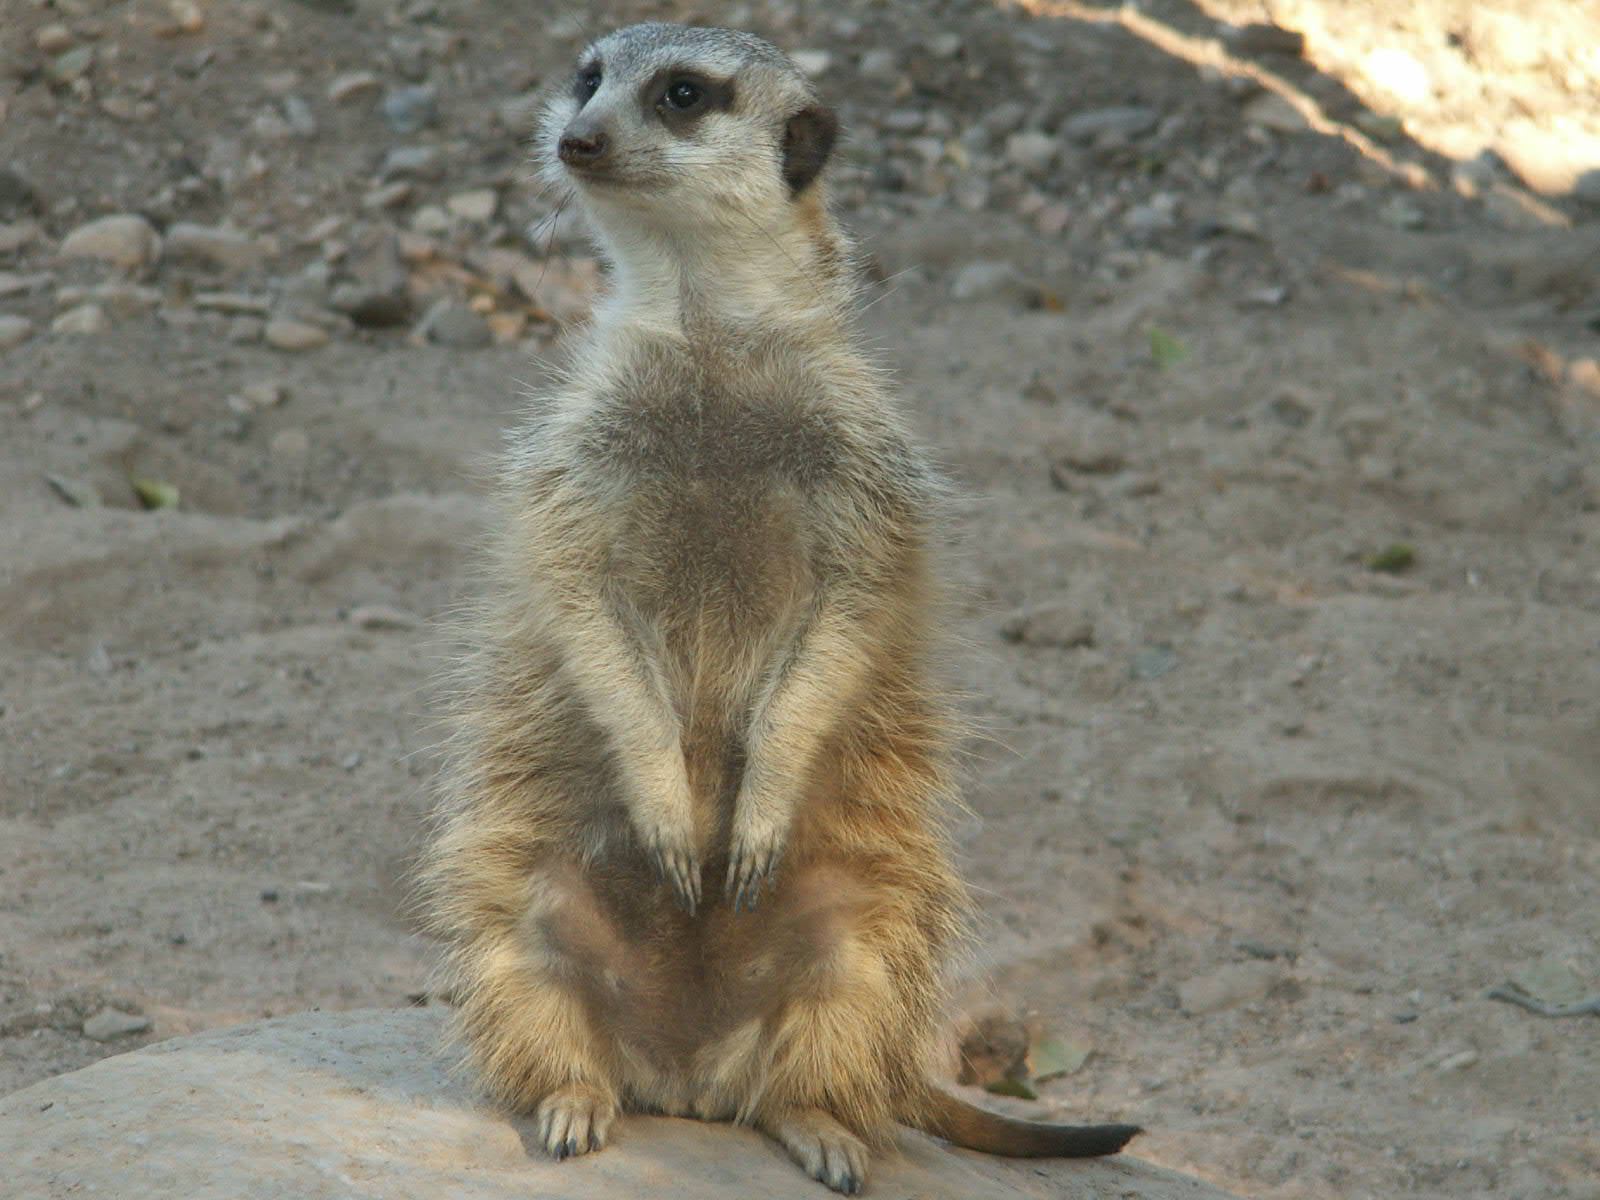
point(1269, 372)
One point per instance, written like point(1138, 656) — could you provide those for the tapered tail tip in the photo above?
point(1118, 1136)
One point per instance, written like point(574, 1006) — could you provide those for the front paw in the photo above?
point(675, 860)
point(752, 862)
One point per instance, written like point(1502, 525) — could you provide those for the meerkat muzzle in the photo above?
point(583, 148)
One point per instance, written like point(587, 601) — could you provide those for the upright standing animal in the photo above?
point(705, 652)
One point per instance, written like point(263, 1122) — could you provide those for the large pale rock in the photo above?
point(360, 1105)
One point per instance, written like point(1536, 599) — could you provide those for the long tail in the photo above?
point(953, 1119)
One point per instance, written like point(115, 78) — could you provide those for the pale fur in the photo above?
point(705, 649)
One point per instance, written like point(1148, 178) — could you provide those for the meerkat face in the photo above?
point(675, 126)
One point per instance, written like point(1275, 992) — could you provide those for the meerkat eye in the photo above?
point(588, 84)
point(683, 95)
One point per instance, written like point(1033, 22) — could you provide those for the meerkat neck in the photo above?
point(741, 274)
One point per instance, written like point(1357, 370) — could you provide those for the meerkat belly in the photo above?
point(718, 573)
point(690, 1000)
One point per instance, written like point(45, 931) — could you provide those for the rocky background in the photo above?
point(1262, 338)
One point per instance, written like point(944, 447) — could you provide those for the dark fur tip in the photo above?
point(1115, 1137)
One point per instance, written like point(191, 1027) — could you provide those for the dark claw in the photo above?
point(682, 873)
point(746, 878)
point(594, 1140)
point(559, 1153)
point(571, 1147)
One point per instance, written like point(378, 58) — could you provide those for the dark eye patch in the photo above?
point(681, 97)
point(587, 83)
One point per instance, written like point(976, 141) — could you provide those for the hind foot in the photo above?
point(825, 1149)
point(575, 1120)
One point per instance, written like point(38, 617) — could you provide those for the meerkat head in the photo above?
point(671, 126)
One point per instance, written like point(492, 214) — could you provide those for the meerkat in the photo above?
point(689, 856)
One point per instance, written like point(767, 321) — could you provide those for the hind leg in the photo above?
point(844, 1045)
point(529, 1025)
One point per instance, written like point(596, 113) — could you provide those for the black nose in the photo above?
point(583, 150)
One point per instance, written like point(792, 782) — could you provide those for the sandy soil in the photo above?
point(1259, 808)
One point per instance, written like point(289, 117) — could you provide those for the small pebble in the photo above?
point(14, 331)
point(410, 109)
point(1271, 111)
point(1032, 150)
point(53, 38)
point(284, 333)
point(476, 205)
point(451, 323)
point(351, 84)
point(110, 1023)
point(125, 240)
point(812, 63)
point(412, 162)
point(1126, 121)
point(84, 321)
point(381, 617)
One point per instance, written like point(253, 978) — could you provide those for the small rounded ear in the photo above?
point(807, 141)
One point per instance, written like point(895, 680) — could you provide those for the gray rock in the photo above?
point(432, 220)
point(80, 493)
point(1032, 150)
point(327, 1105)
point(125, 240)
point(1126, 121)
point(14, 331)
point(218, 246)
point(302, 121)
point(122, 299)
point(410, 109)
point(388, 195)
point(53, 38)
point(1271, 111)
point(478, 204)
point(110, 1023)
point(233, 303)
point(412, 162)
point(381, 617)
point(14, 235)
point(1402, 214)
point(350, 85)
point(451, 323)
point(285, 333)
point(264, 394)
point(85, 320)
point(1005, 118)
point(812, 62)
point(70, 67)
point(1156, 216)
point(1587, 187)
point(878, 64)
